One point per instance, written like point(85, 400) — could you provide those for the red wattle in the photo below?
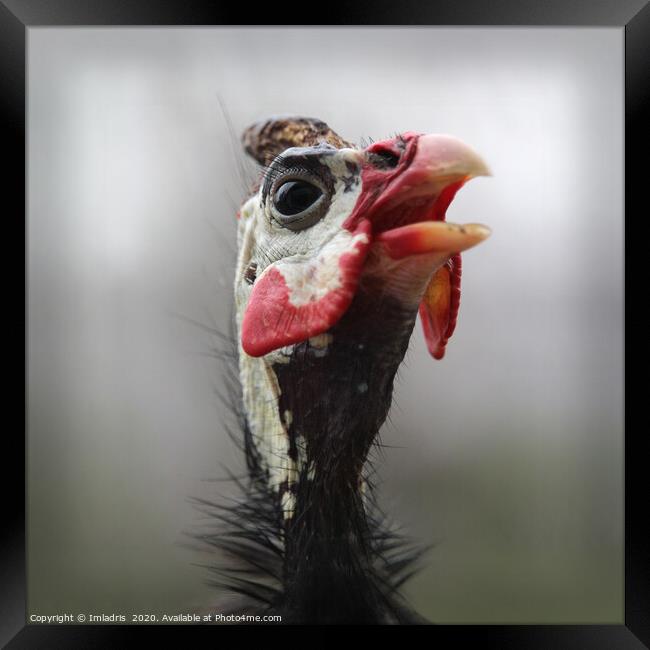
point(273, 320)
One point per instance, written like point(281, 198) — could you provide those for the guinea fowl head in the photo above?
point(330, 219)
point(339, 248)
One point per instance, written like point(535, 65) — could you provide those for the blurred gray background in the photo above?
point(508, 454)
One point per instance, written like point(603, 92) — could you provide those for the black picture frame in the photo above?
point(16, 16)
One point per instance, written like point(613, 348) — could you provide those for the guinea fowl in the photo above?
point(339, 248)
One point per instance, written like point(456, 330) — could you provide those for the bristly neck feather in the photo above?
point(332, 558)
point(338, 397)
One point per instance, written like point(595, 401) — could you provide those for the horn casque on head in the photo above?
point(264, 140)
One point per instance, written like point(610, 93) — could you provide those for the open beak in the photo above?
point(415, 251)
point(441, 166)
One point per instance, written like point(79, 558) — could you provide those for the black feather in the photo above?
point(337, 563)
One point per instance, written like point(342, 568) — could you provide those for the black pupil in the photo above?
point(296, 196)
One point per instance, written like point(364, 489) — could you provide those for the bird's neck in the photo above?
point(327, 399)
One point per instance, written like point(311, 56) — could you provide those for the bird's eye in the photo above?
point(298, 204)
point(296, 196)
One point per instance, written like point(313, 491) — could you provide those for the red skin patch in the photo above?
point(439, 306)
point(382, 202)
point(271, 321)
point(380, 186)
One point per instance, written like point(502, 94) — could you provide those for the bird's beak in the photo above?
point(419, 261)
point(441, 160)
point(437, 238)
point(441, 165)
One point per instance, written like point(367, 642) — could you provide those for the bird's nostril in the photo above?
point(383, 159)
